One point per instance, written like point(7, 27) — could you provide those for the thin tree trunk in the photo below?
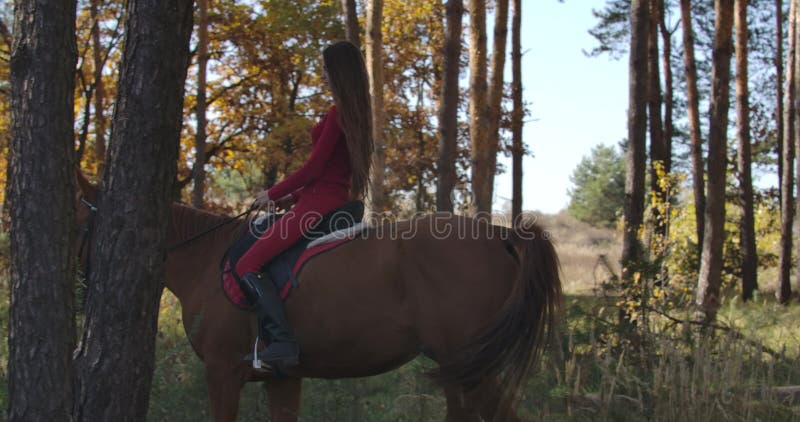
point(709, 282)
point(495, 103)
point(99, 92)
point(41, 203)
point(448, 113)
point(795, 143)
point(669, 90)
point(200, 109)
point(657, 153)
point(375, 69)
point(748, 235)
point(693, 101)
point(516, 116)
point(478, 106)
point(351, 21)
point(115, 359)
point(637, 134)
point(784, 292)
point(779, 86)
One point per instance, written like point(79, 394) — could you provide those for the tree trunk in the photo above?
point(784, 292)
point(779, 85)
point(669, 101)
point(351, 21)
point(693, 108)
point(637, 134)
point(657, 153)
point(478, 107)
point(708, 285)
point(748, 235)
point(116, 357)
point(199, 175)
point(99, 91)
point(375, 69)
point(795, 142)
point(448, 113)
point(486, 195)
point(42, 210)
point(517, 113)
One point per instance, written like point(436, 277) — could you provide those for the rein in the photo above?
point(86, 235)
point(207, 231)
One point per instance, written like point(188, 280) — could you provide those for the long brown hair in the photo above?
point(347, 77)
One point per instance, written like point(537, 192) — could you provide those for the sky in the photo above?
point(576, 102)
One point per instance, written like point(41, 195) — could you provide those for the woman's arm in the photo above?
point(313, 167)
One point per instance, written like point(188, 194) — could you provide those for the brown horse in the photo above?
point(478, 299)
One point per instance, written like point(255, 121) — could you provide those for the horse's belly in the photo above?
point(355, 325)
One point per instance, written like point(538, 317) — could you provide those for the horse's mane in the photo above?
point(188, 221)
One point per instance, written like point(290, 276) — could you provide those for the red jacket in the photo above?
point(328, 166)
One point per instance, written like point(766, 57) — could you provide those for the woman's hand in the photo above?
point(262, 201)
point(285, 203)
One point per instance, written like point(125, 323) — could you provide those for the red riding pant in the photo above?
point(314, 202)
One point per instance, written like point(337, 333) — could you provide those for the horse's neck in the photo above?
point(188, 261)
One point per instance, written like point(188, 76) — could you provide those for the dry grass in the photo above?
point(586, 252)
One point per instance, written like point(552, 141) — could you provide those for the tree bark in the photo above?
point(669, 98)
point(115, 359)
point(351, 21)
point(517, 113)
point(795, 142)
point(374, 64)
point(448, 113)
point(693, 108)
point(784, 292)
point(779, 86)
point(478, 108)
point(709, 282)
point(486, 195)
point(747, 226)
point(42, 211)
point(99, 91)
point(199, 175)
point(657, 153)
point(637, 134)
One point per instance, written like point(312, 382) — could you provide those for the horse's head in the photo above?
point(85, 210)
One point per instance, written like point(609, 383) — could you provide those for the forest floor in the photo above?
point(594, 371)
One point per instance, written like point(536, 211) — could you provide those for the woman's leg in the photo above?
point(282, 349)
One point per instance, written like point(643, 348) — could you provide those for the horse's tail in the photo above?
point(500, 358)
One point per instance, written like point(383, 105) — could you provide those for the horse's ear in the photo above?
point(85, 187)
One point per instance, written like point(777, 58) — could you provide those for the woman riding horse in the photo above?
point(336, 171)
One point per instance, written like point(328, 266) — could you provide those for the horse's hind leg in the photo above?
point(493, 406)
point(284, 399)
point(457, 411)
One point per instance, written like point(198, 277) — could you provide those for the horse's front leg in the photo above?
point(224, 384)
point(284, 399)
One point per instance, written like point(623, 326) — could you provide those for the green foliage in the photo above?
point(599, 187)
point(612, 29)
point(682, 261)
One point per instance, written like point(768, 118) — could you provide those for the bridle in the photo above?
point(86, 235)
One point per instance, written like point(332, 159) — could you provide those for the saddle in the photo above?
point(283, 269)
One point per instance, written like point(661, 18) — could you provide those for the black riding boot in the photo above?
point(282, 349)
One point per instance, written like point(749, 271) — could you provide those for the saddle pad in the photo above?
point(234, 293)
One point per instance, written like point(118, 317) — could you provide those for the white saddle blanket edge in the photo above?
point(339, 234)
